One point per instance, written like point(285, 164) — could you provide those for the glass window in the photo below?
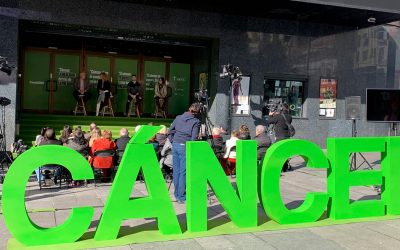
point(284, 91)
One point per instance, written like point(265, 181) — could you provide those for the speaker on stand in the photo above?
point(353, 113)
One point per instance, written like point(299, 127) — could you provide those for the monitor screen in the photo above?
point(383, 105)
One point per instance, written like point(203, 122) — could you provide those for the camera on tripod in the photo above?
point(274, 105)
point(230, 70)
point(4, 66)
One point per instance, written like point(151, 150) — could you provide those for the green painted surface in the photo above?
point(119, 206)
point(152, 72)
point(66, 70)
point(314, 204)
point(180, 84)
point(36, 80)
point(340, 178)
point(203, 168)
point(124, 68)
point(95, 65)
point(13, 197)
point(220, 226)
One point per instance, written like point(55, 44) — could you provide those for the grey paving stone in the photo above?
point(298, 239)
point(248, 241)
point(216, 242)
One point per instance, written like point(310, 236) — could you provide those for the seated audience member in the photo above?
point(263, 142)
point(123, 140)
point(89, 133)
point(40, 137)
point(49, 139)
point(231, 143)
point(103, 143)
point(66, 133)
point(96, 134)
point(244, 132)
point(78, 142)
point(154, 142)
point(216, 142)
point(161, 136)
point(166, 156)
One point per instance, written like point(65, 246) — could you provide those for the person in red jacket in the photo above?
point(103, 143)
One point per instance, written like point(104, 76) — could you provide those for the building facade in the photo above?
point(287, 59)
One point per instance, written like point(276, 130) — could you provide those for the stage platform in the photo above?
point(31, 124)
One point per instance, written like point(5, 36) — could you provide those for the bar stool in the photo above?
point(131, 104)
point(157, 111)
point(107, 109)
point(80, 106)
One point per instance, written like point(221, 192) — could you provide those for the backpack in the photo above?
point(291, 129)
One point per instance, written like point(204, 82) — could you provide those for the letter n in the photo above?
point(203, 167)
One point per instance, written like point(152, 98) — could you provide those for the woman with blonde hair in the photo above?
point(94, 135)
point(101, 144)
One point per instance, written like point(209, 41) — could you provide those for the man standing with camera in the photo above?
point(281, 121)
point(184, 128)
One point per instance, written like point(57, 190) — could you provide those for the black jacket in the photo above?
point(280, 127)
point(103, 86)
point(122, 142)
point(133, 88)
point(184, 128)
point(263, 143)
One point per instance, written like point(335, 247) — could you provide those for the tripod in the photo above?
point(353, 161)
point(4, 156)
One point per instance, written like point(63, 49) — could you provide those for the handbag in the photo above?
point(291, 129)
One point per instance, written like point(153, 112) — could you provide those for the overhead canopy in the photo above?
point(349, 13)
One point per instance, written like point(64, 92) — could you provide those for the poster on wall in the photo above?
point(240, 101)
point(327, 97)
point(203, 80)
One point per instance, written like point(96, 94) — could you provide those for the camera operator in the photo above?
point(184, 128)
point(280, 127)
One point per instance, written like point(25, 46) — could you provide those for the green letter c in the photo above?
point(14, 211)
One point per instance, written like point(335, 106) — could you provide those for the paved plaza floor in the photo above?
point(294, 185)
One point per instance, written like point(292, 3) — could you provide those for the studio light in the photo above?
point(4, 66)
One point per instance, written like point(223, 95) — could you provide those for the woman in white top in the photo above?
point(231, 142)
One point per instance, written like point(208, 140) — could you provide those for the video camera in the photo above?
point(230, 70)
point(4, 66)
point(274, 105)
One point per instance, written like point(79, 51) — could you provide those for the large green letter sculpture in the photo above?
point(315, 203)
point(14, 211)
point(340, 178)
point(120, 206)
point(203, 166)
point(391, 172)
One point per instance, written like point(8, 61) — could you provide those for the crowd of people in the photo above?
point(169, 144)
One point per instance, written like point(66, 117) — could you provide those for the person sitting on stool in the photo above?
point(104, 90)
point(134, 94)
point(81, 87)
point(161, 93)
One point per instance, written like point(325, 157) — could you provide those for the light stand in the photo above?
point(4, 156)
point(353, 161)
point(393, 127)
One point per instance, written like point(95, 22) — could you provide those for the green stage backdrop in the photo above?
point(66, 70)
point(180, 83)
point(36, 80)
